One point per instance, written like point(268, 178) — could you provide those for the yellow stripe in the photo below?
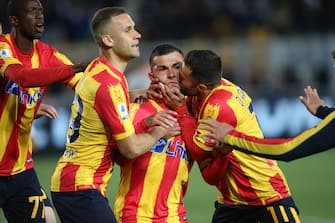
point(7, 123)
point(150, 190)
point(126, 174)
point(155, 105)
point(35, 59)
point(62, 58)
point(55, 178)
point(273, 214)
point(283, 213)
point(174, 195)
point(295, 215)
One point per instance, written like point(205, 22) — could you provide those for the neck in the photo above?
point(114, 60)
point(203, 95)
point(22, 43)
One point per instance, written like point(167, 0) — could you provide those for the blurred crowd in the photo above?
point(175, 19)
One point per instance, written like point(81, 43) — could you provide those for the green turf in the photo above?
point(311, 180)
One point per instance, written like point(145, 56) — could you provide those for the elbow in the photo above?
point(131, 152)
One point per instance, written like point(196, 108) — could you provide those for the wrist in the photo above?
point(182, 111)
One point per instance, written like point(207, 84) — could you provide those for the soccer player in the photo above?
point(311, 141)
point(251, 189)
point(153, 186)
point(27, 66)
point(99, 120)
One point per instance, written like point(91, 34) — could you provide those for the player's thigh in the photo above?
point(82, 206)
point(26, 201)
point(282, 211)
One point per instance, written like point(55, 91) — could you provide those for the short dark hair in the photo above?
point(101, 18)
point(163, 49)
point(206, 66)
point(14, 7)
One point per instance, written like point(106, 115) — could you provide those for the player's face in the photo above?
point(188, 86)
point(31, 19)
point(125, 37)
point(167, 67)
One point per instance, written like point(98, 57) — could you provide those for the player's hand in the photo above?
point(80, 67)
point(216, 130)
point(173, 131)
point(46, 110)
point(154, 90)
point(173, 97)
point(312, 100)
point(166, 118)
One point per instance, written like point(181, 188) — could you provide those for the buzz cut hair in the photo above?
point(163, 49)
point(103, 17)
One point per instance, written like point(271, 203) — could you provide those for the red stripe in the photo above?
point(3, 97)
point(30, 164)
point(11, 154)
point(136, 185)
point(279, 185)
point(169, 176)
point(68, 177)
point(243, 184)
point(101, 171)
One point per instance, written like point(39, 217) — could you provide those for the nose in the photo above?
point(171, 72)
point(39, 13)
point(138, 35)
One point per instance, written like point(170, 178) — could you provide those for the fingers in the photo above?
point(47, 111)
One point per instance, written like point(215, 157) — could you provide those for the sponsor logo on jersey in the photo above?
point(25, 97)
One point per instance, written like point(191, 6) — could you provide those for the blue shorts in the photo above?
point(281, 211)
point(82, 206)
point(21, 198)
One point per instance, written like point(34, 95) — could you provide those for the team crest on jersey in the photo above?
point(123, 111)
point(70, 153)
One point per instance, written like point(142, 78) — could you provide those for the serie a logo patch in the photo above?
point(4, 53)
point(123, 111)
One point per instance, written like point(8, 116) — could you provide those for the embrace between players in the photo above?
point(155, 142)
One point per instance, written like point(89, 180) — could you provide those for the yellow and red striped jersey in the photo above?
point(99, 116)
point(152, 186)
point(248, 179)
point(18, 105)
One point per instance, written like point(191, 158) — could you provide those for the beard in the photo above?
point(188, 92)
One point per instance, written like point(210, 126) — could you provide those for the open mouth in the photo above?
point(40, 27)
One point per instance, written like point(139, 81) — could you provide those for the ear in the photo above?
point(107, 40)
point(202, 87)
point(151, 76)
point(13, 21)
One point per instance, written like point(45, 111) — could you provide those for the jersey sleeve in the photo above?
point(214, 171)
point(188, 127)
point(12, 68)
point(311, 141)
point(112, 105)
point(323, 111)
point(216, 112)
point(59, 58)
